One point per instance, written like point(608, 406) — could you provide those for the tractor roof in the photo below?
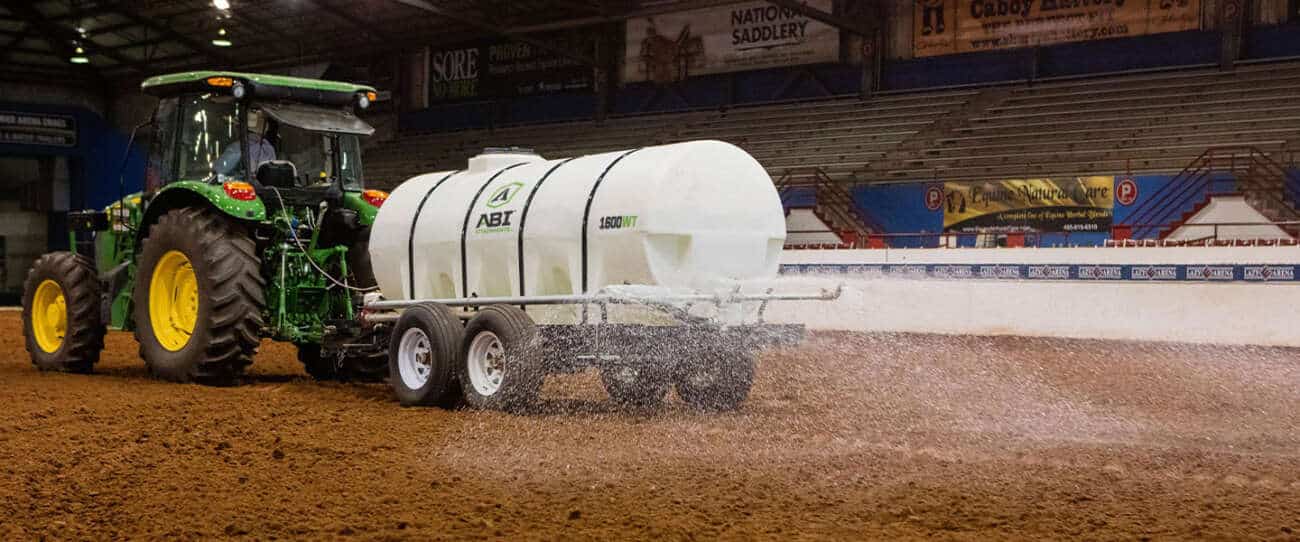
point(176, 83)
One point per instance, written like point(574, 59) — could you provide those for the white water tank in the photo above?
point(686, 215)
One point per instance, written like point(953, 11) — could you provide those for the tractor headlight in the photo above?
point(363, 100)
point(237, 90)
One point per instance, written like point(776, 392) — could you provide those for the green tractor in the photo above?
point(253, 224)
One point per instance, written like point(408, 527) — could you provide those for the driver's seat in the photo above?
point(277, 173)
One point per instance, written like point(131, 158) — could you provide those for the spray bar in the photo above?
point(604, 298)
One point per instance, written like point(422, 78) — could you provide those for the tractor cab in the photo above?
point(286, 140)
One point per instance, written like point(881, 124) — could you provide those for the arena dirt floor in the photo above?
point(846, 437)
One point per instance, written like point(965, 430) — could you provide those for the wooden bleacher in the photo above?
point(1136, 123)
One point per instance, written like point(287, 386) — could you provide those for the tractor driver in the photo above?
point(260, 150)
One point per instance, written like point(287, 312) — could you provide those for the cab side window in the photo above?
point(162, 149)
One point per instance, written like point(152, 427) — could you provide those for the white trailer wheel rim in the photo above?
point(414, 358)
point(486, 363)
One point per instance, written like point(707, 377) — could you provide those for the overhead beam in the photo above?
point(59, 38)
point(12, 46)
point(278, 41)
point(361, 51)
point(151, 62)
point(134, 44)
point(103, 9)
point(45, 74)
point(167, 31)
point(618, 17)
point(497, 31)
point(371, 31)
point(842, 23)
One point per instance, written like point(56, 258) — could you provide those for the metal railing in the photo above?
point(1253, 170)
point(831, 198)
point(1049, 239)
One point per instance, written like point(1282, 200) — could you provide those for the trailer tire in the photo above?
point(208, 279)
point(61, 313)
point(501, 365)
point(638, 386)
point(423, 355)
point(716, 381)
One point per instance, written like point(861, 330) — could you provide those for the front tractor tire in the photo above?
point(61, 319)
point(198, 298)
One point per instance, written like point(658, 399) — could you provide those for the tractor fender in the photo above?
point(195, 193)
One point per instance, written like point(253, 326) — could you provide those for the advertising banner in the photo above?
point(753, 35)
point(1078, 204)
point(508, 68)
point(20, 128)
point(942, 27)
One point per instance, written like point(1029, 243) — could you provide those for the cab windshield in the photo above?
point(323, 144)
point(319, 157)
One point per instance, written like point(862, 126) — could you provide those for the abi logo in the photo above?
point(1126, 192)
point(494, 220)
point(504, 194)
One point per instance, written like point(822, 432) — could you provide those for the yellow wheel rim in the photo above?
point(173, 300)
point(49, 316)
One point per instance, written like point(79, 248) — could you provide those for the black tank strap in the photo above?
point(586, 213)
point(464, 228)
point(523, 219)
point(410, 239)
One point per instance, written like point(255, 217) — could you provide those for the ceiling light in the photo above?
point(221, 40)
point(80, 50)
point(221, 4)
point(79, 59)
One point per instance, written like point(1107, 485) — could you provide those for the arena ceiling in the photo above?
point(87, 41)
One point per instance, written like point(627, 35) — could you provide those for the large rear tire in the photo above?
point(424, 355)
point(61, 318)
point(501, 366)
point(198, 298)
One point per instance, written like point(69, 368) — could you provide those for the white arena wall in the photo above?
point(1226, 312)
